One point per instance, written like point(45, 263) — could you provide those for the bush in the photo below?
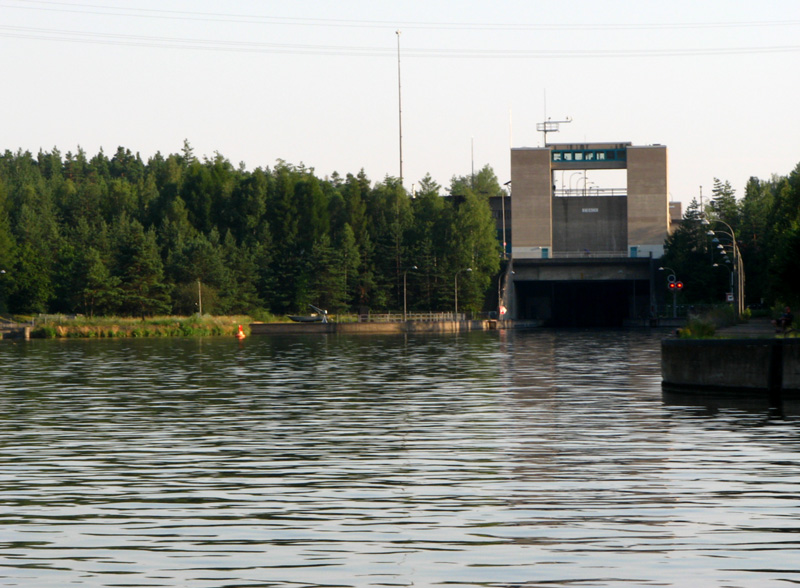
point(44, 332)
point(721, 316)
point(697, 328)
point(263, 316)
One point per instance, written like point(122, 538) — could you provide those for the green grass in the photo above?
point(166, 326)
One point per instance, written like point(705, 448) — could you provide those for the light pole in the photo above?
point(405, 290)
point(578, 183)
point(674, 292)
point(572, 175)
point(399, 107)
point(737, 275)
point(730, 272)
point(2, 273)
point(469, 269)
point(503, 213)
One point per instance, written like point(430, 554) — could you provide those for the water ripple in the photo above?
point(489, 459)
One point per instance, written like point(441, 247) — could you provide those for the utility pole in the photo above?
point(399, 106)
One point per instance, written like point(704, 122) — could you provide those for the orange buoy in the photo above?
point(240, 335)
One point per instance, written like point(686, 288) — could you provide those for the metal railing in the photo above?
point(585, 253)
point(397, 317)
point(587, 192)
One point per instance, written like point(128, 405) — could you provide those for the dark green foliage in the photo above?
point(766, 225)
point(140, 270)
point(690, 253)
point(96, 235)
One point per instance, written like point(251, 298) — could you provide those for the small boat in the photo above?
point(314, 318)
point(320, 317)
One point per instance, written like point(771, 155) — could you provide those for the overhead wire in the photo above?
point(87, 8)
point(91, 37)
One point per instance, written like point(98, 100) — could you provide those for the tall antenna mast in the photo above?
point(550, 126)
point(472, 161)
point(400, 106)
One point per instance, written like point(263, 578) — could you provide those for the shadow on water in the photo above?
point(752, 401)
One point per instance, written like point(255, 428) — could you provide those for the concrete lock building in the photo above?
point(588, 255)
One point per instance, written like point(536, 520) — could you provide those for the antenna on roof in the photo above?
point(550, 126)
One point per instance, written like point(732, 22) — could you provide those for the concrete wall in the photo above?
point(791, 365)
point(648, 199)
point(580, 269)
point(531, 189)
point(767, 365)
point(534, 226)
point(370, 328)
point(15, 333)
point(594, 224)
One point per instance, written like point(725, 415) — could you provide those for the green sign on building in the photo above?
point(580, 155)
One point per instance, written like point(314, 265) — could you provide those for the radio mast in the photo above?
point(550, 126)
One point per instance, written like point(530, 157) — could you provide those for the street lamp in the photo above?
point(405, 290)
point(729, 271)
point(469, 269)
point(674, 292)
point(572, 175)
point(2, 272)
point(578, 183)
point(503, 214)
point(737, 275)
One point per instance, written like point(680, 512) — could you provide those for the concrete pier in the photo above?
point(751, 366)
point(15, 332)
point(375, 328)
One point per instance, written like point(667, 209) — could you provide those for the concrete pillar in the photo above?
point(531, 193)
point(648, 199)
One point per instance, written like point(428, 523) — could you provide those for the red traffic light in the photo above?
point(679, 285)
point(671, 286)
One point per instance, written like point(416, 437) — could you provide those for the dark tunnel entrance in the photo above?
point(583, 303)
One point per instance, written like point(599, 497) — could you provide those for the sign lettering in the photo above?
point(560, 155)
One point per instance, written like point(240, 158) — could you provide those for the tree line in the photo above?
point(117, 235)
point(766, 226)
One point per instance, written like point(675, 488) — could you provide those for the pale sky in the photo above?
point(316, 82)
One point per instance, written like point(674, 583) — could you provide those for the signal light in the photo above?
point(679, 285)
point(671, 286)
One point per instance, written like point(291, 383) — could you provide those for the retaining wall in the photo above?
point(743, 365)
point(15, 333)
point(370, 328)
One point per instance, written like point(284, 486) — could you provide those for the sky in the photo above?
point(331, 85)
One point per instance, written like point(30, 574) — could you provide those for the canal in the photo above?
point(487, 459)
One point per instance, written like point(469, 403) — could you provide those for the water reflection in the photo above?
point(488, 459)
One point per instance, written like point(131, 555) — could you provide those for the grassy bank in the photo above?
point(166, 326)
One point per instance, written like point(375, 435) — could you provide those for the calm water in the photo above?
point(489, 459)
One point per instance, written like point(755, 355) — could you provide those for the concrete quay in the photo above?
point(369, 328)
point(15, 332)
point(752, 361)
point(388, 328)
